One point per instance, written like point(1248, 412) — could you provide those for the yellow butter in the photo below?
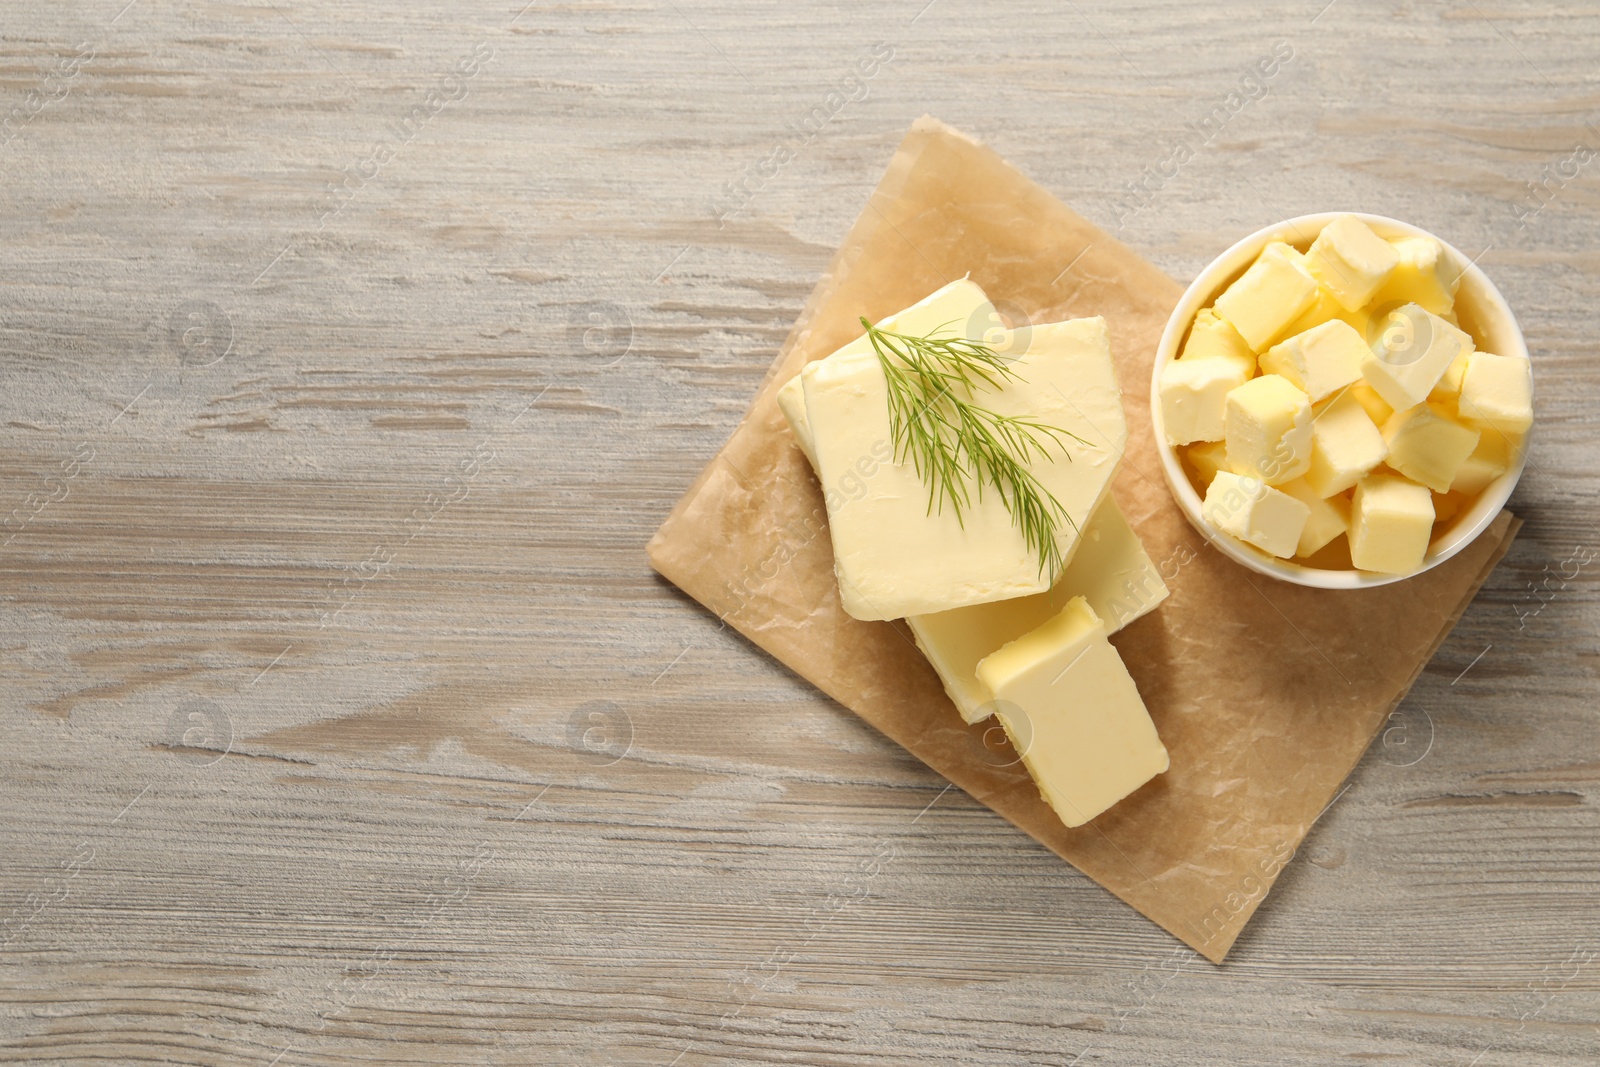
point(1074, 714)
point(1351, 261)
point(1411, 355)
point(1211, 336)
point(1273, 292)
point(1207, 459)
point(1257, 514)
point(1345, 445)
point(1110, 570)
point(1423, 276)
point(1391, 522)
point(1488, 461)
point(1320, 361)
point(1194, 394)
point(1328, 518)
point(1267, 427)
point(1427, 446)
point(1497, 391)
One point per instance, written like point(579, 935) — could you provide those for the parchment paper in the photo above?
point(1266, 694)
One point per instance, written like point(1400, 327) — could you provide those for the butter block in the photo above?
point(1447, 506)
point(1194, 394)
point(1267, 427)
point(1257, 514)
point(1449, 387)
point(1345, 445)
point(1423, 276)
point(1497, 391)
point(1329, 517)
point(792, 402)
point(1391, 522)
point(1074, 714)
point(1376, 407)
point(1208, 458)
point(1212, 336)
point(1320, 361)
point(1351, 261)
point(1273, 292)
point(1488, 461)
point(1111, 571)
point(1413, 351)
point(892, 557)
point(1427, 446)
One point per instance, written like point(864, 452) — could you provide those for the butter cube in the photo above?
point(1268, 429)
point(1194, 394)
point(1414, 350)
point(1074, 715)
point(892, 556)
point(1345, 445)
point(1391, 522)
point(1488, 461)
point(1329, 517)
point(1449, 387)
point(1351, 261)
point(1110, 570)
point(1447, 506)
point(1211, 336)
point(1255, 513)
point(1208, 458)
point(1428, 446)
point(1274, 292)
point(1498, 391)
point(1376, 407)
point(1320, 361)
point(1423, 276)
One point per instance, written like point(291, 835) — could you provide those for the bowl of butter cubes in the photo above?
point(1342, 400)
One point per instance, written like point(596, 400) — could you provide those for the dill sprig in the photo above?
point(955, 443)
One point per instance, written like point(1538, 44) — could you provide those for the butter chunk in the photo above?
point(1274, 292)
point(892, 557)
point(1324, 308)
point(1412, 354)
point(1488, 461)
point(1208, 458)
point(1345, 445)
point(1212, 336)
point(1391, 522)
point(1320, 361)
point(1194, 394)
point(1257, 514)
point(1110, 570)
point(1329, 518)
point(1267, 427)
point(1074, 714)
point(1428, 446)
point(1351, 261)
point(1498, 392)
point(1423, 276)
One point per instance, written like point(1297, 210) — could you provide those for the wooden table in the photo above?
point(353, 351)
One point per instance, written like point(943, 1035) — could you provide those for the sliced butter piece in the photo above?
point(1074, 715)
point(1320, 361)
point(1488, 461)
point(1345, 445)
point(1268, 429)
point(1497, 391)
point(1194, 395)
point(1351, 261)
point(1423, 276)
point(1207, 459)
point(1110, 570)
point(792, 402)
point(1276, 290)
point(1391, 522)
point(1246, 508)
point(1212, 336)
point(892, 557)
point(1411, 355)
point(1427, 446)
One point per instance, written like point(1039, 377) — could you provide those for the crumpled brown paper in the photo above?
point(1266, 694)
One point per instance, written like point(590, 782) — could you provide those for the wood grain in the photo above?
point(344, 721)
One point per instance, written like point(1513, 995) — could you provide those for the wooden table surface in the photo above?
point(353, 351)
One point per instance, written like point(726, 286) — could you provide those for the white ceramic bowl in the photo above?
point(1483, 313)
